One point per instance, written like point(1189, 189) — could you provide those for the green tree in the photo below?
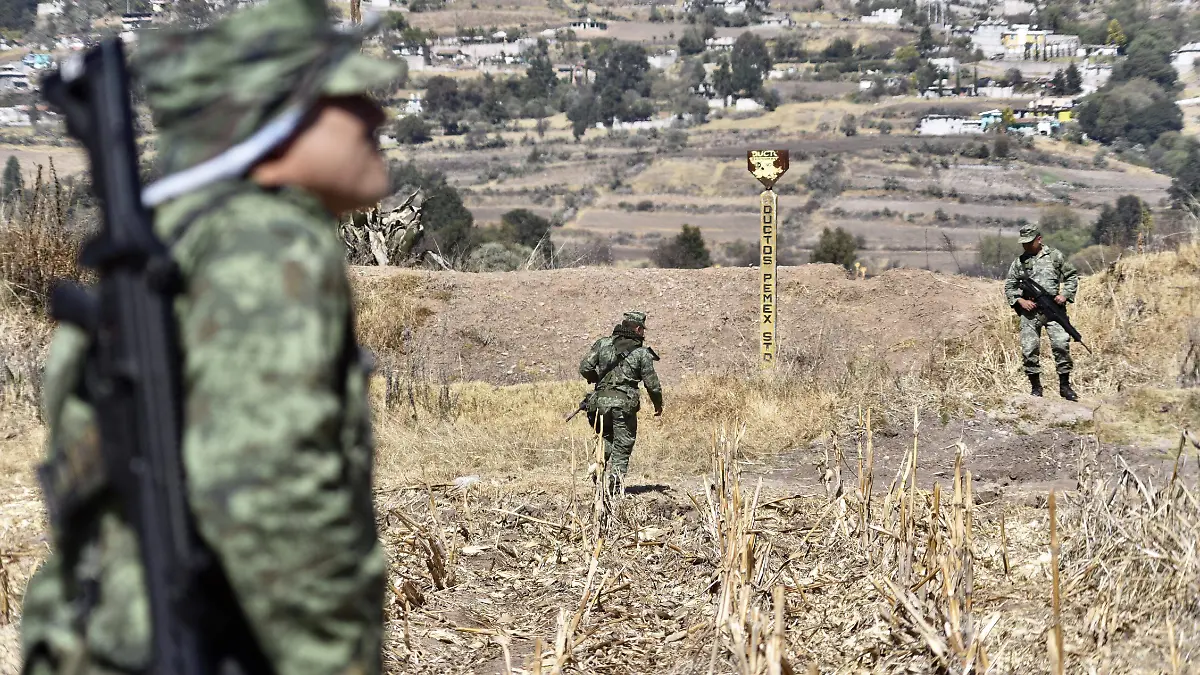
point(1148, 56)
point(996, 254)
point(1185, 188)
point(686, 250)
point(411, 130)
point(1058, 84)
point(1074, 80)
point(837, 247)
point(443, 101)
point(621, 68)
point(582, 111)
point(723, 79)
point(925, 42)
point(540, 78)
point(1138, 110)
point(13, 182)
point(695, 38)
point(522, 226)
point(824, 179)
point(750, 63)
point(449, 225)
point(907, 58)
point(1116, 36)
point(849, 125)
point(1119, 226)
point(17, 15)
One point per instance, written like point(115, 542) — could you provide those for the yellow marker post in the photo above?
point(768, 166)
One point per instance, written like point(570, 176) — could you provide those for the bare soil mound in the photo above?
point(527, 326)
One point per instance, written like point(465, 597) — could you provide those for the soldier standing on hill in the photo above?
point(266, 132)
point(1050, 269)
point(615, 365)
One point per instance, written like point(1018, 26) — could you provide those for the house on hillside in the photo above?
point(987, 38)
point(887, 17)
point(720, 44)
point(15, 116)
point(948, 125)
point(777, 21)
point(588, 24)
point(13, 78)
point(1059, 45)
point(1058, 108)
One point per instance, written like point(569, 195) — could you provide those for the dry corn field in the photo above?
point(848, 513)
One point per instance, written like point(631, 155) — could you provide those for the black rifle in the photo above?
point(1045, 302)
point(132, 378)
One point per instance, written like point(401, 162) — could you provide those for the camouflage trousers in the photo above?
point(620, 433)
point(1031, 342)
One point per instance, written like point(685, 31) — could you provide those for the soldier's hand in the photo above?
point(658, 412)
point(1027, 305)
point(1060, 299)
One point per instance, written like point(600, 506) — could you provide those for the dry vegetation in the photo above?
point(502, 561)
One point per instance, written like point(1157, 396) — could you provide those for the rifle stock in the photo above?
point(133, 378)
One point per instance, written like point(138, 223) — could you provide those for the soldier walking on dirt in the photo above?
point(615, 365)
point(1050, 269)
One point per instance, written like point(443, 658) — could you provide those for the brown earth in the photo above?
point(506, 328)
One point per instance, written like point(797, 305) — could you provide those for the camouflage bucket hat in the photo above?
point(225, 96)
point(1029, 233)
point(636, 318)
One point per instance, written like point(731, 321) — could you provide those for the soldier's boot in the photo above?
point(1064, 387)
point(1035, 384)
point(615, 486)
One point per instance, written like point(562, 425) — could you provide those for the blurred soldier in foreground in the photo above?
point(1042, 270)
point(266, 133)
point(615, 365)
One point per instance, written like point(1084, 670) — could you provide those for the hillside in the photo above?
point(506, 328)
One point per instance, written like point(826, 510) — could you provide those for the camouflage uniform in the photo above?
point(1051, 270)
point(613, 406)
point(277, 440)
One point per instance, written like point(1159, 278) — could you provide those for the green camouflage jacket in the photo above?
point(1049, 268)
point(277, 445)
point(619, 389)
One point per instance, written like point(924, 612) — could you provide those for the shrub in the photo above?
point(411, 130)
point(996, 254)
point(837, 247)
point(498, 256)
point(40, 239)
point(687, 250)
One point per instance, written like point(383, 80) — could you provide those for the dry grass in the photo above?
point(494, 577)
point(40, 238)
point(488, 520)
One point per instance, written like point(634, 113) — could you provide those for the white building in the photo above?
point(1059, 45)
point(889, 17)
point(14, 117)
point(948, 64)
point(54, 8)
point(663, 61)
point(1184, 59)
point(988, 38)
point(720, 44)
point(997, 92)
point(948, 125)
point(12, 77)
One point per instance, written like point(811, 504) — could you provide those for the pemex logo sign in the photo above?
point(768, 166)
